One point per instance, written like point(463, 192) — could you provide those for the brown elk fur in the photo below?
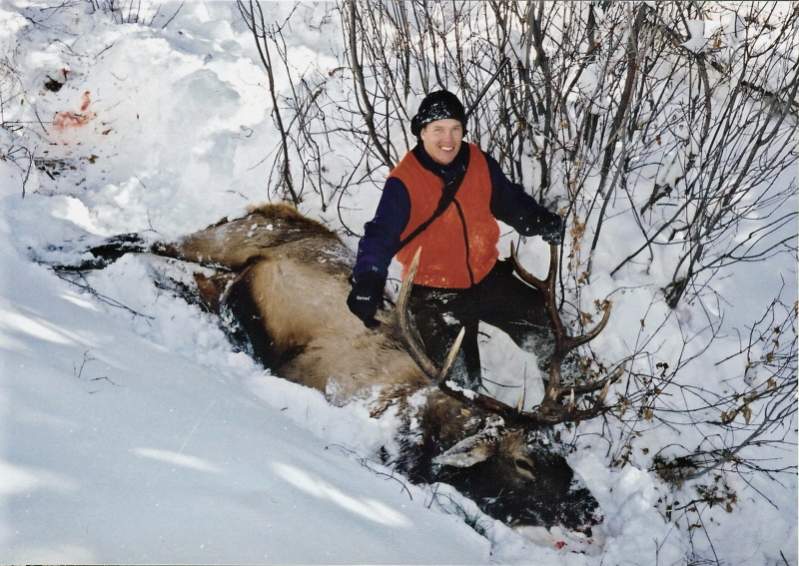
point(293, 277)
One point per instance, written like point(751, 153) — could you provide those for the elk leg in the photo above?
point(103, 254)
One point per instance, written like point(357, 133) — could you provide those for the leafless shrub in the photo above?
point(680, 118)
point(149, 13)
point(13, 147)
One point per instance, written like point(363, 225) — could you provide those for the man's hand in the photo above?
point(366, 297)
point(551, 230)
point(541, 222)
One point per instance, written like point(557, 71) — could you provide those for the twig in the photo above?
point(99, 296)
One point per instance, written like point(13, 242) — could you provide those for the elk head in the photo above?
point(497, 453)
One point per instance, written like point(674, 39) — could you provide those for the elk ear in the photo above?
point(469, 451)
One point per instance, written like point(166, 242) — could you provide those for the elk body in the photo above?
point(284, 279)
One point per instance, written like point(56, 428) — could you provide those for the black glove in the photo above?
point(540, 222)
point(550, 227)
point(366, 297)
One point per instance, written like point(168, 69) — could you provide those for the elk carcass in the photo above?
point(284, 280)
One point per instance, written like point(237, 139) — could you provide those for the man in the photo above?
point(445, 196)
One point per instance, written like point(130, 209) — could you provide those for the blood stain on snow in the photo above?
point(65, 120)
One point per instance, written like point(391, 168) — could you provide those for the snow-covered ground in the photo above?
point(131, 430)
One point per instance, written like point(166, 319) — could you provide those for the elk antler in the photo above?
point(550, 412)
point(563, 342)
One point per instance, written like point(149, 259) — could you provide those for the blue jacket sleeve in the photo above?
point(511, 205)
point(382, 234)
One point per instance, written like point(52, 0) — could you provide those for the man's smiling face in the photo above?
point(442, 140)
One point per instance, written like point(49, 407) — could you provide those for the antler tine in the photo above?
point(575, 341)
point(453, 353)
point(527, 277)
point(414, 348)
point(547, 289)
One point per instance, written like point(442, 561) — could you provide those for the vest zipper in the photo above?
point(465, 239)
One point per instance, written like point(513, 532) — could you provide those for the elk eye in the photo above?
point(524, 465)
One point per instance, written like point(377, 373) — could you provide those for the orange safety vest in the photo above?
point(460, 247)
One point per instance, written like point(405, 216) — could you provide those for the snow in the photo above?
point(697, 39)
point(142, 454)
point(133, 432)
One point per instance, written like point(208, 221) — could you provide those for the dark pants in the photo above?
point(500, 299)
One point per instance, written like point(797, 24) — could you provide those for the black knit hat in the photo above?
point(438, 105)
